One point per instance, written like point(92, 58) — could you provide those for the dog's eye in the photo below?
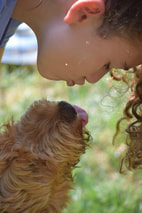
point(67, 112)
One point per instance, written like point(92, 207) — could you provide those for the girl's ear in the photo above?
point(81, 10)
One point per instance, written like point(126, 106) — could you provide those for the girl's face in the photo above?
point(75, 53)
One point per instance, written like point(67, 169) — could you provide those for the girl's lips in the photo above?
point(70, 83)
point(83, 114)
point(77, 82)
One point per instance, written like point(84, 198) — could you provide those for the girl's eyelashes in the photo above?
point(107, 66)
point(125, 66)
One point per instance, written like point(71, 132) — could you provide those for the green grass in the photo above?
point(99, 187)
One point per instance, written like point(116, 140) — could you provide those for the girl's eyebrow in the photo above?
point(125, 66)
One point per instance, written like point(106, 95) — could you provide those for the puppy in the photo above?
point(37, 156)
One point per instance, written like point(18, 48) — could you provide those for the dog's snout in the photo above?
point(67, 112)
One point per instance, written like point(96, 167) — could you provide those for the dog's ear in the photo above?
point(67, 112)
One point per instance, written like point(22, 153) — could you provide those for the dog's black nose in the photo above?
point(67, 112)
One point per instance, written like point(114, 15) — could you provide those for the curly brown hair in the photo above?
point(133, 114)
point(122, 18)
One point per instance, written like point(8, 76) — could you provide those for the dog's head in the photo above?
point(53, 129)
point(38, 154)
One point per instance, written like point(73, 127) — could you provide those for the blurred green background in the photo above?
point(98, 187)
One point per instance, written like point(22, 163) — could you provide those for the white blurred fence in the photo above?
point(21, 47)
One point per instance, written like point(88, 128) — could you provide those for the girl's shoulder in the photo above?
point(7, 25)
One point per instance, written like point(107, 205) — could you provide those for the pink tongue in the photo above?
point(83, 114)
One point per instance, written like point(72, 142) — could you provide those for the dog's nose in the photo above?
point(67, 112)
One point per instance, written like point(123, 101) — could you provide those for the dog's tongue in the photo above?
point(83, 114)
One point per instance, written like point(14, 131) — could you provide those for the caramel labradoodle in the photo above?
point(37, 156)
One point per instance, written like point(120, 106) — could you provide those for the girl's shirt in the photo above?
point(8, 25)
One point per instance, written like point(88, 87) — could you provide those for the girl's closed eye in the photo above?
point(107, 66)
point(125, 66)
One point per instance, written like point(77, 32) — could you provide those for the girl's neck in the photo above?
point(37, 13)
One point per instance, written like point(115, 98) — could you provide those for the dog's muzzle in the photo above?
point(67, 112)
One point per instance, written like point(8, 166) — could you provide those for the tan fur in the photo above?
point(37, 156)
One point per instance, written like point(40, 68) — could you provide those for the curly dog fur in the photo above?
point(37, 156)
